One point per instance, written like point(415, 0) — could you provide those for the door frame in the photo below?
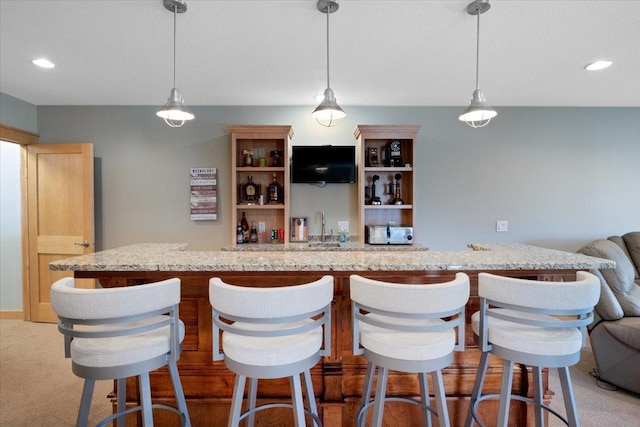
point(22, 138)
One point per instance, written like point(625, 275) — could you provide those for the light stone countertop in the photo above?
point(175, 257)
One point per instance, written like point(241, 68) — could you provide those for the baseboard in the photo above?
point(11, 314)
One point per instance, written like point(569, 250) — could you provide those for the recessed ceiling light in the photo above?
point(598, 65)
point(44, 63)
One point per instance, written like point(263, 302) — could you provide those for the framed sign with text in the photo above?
point(204, 194)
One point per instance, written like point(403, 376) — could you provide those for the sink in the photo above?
point(324, 245)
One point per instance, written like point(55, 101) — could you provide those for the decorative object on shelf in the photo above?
point(276, 159)
point(275, 190)
point(250, 191)
point(174, 112)
point(372, 157)
point(478, 114)
point(393, 153)
point(375, 200)
point(248, 157)
point(328, 113)
point(299, 229)
point(397, 199)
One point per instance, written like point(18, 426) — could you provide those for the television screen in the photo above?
point(323, 163)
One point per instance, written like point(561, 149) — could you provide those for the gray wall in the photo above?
point(560, 176)
point(18, 114)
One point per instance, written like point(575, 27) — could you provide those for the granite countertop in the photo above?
point(317, 246)
point(176, 257)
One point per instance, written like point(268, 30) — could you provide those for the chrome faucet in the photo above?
point(324, 222)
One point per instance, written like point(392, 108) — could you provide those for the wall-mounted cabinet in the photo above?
point(258, 155)
point(386, 166)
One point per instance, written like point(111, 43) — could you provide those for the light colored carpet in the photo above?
point(599, 404)
point(37, 387)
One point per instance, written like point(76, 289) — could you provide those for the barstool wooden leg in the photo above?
point(236, 401)
point(380, 397)
point(569, 398)
point(505, 393)
point(477, 386)
point(441, 399)
point(424, 395)
point(85, 402)
point(537, 395)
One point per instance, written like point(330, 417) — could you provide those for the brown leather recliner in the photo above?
point(615, 331)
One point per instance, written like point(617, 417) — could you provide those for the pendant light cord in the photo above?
point(175, 14)
point(478, 51)
point(328, 13)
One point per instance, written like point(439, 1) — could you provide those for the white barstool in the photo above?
point(273, 332)
point(534, 323)
point(407, 328)
point(124, 332)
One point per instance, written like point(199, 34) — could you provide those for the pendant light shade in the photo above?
point(478, 114)
point(328, 113)
point(174, 112)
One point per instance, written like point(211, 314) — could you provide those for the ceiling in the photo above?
point(383, 52)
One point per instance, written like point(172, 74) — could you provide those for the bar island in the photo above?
point(338, 379)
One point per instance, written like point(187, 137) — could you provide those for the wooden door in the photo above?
point(60, 216)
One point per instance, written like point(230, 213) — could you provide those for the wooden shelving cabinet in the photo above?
point(266, 139)
point(379, 137)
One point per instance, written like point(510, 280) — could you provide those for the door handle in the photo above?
point(85, 244)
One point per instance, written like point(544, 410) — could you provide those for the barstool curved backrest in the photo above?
point(285, 306)
point(125, 332)
point(410, 302)
point(576, 298)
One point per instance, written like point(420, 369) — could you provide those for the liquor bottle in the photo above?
point(239, 238)
point(275, 191)
point(245, 228)
point(253, 236)
point(250, 191)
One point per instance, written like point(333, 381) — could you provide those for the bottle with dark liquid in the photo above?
point(250, 191)
point(239, 238)
point(244, 224)
point(275, 191)
point(253, 235)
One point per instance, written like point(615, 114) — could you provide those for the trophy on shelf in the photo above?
point(397, 199)
point(375, 200)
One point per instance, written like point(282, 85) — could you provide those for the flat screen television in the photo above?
point(323, 164)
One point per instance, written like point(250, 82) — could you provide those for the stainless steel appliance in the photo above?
point(388, 235)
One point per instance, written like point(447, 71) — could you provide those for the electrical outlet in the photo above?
point(343, 227)
point(502, 225)
point(262, 227)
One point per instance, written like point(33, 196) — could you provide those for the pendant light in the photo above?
point(174, 112)
point(478, 114)
point(328, 113)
